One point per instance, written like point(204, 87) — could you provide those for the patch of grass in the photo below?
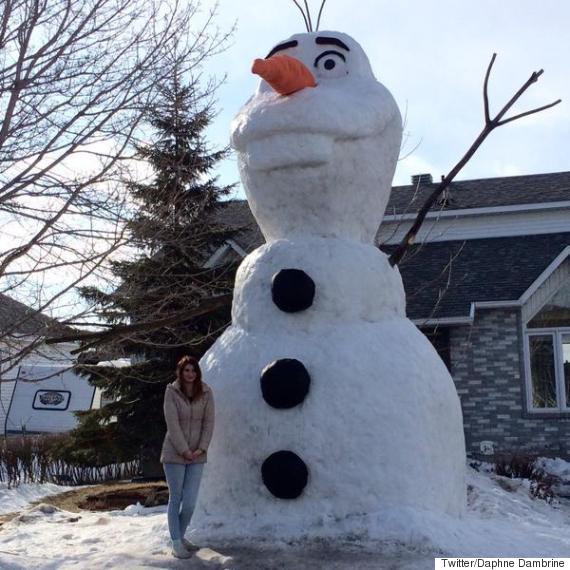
point(109, 496)
point(103, 497)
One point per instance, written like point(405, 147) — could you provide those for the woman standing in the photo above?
point(189, 415)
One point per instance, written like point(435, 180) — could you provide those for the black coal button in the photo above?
point(284, 474)
point(285, 383)
point(292, 290)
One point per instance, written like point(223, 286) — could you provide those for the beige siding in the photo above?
point(540, 297)
point(480, 226)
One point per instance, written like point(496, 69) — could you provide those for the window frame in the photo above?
point(556, 333)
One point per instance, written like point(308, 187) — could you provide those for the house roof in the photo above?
point(466, 194)
point(237, 214)
point(443, 279)
point(486, 192)
point(17, 318)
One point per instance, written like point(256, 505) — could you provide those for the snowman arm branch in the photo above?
point(530, 112)
point(498, 120)
point(490, 125)
point(486, 89)
point(410, 236)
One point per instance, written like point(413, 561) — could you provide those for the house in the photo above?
point(488, 281)
point(38, 392)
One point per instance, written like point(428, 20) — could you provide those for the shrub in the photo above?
point(50, 459)
point(524, 466)
point(515, 466)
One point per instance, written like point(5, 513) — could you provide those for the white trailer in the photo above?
point(44, 399)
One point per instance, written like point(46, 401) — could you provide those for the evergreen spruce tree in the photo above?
point(175, 228)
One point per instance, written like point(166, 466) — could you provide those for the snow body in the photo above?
point(381, 429)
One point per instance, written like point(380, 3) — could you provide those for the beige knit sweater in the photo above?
point(189, 424)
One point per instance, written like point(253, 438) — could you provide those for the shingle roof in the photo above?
point(487, 192)
point(442, 279)
point(462, 272)
point(480, 193)
point(237, 214)
point(17, 318)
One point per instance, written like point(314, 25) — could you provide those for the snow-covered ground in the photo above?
point(502, 520)
point(15, 500)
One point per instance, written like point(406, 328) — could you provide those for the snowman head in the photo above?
point(317, 143)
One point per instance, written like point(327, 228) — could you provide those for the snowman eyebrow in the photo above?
point(334, 41)
point(279, 47)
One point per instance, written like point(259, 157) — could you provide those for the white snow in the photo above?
point(379, 422)
point(502, 520)
point(382, 418)
point(555, 466)
point(365, 289)
point(19, 498)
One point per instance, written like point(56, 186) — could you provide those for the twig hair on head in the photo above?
point(320, 14)
point(303, 14)
point(306, 13)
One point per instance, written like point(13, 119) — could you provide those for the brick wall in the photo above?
point(488, 368)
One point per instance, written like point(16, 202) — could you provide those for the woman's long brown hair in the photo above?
point(197, 386)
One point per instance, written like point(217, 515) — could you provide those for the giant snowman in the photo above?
point(334, 414)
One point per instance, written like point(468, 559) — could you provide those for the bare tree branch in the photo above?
point(123, 331)
point(77, 78)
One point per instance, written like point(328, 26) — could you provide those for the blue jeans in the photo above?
point(183, 484)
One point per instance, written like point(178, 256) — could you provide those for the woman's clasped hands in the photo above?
point(191, 455)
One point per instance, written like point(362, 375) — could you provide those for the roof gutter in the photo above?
point(443, 321)
point(468, 320)
point(465, 212)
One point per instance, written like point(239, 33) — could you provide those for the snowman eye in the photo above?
point(331, 63)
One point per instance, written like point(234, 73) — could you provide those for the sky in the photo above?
point(432, 56)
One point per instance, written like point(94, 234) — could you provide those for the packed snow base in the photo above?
point(498, 522)
point(360, 464)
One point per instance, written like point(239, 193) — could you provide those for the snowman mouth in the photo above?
point(289, 150)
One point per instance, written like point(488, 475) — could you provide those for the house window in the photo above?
point(439, 337)
point(548, 355)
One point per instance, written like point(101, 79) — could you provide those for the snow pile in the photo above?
point(19, 498)
point(502, 520)
point(554, 466)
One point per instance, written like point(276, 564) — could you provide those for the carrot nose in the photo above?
point(284, 73)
